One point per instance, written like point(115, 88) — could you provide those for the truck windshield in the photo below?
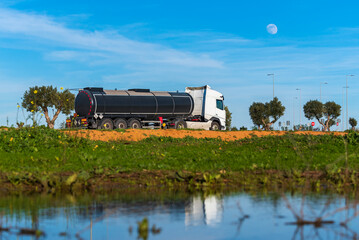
point(220, 104)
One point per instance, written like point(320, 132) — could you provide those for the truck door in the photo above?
point(220, 108)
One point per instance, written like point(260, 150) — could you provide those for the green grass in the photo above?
point(44, 150)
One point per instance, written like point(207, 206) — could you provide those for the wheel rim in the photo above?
point(215, 127)
point(121, 125)
point(135, 125)
point(106, 126)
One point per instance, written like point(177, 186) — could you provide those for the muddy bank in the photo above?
point(140, 134)
point(256, 180)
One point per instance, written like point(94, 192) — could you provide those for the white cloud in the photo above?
point(15, 24)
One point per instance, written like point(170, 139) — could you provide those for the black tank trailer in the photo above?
point(134, 108)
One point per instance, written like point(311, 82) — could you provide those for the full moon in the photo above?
point(272, 29)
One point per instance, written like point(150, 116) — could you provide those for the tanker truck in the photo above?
point(196, 108)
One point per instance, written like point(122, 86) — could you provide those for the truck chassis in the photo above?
point(107, 122)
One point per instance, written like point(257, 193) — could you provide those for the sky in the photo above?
point(169, 45)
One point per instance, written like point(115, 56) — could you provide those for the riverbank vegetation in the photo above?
point(43, 159)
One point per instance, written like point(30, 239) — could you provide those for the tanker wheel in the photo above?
point(120, 123)
point(105, 123)
point(134, 123)
point(215, 126)
point(181, 124)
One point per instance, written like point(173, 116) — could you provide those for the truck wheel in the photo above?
point(120, 123)
point(181, 124)
point(105, 123)
point(134, 123)
point(215, 126)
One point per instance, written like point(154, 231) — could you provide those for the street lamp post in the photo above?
point(346, 86)
point(272, 74)
point(300, 106)
point(342, 109)
point(294, 112)
point(321, 90)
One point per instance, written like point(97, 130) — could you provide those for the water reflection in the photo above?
point(324, 220)
point(179, 216)
point(204, 210)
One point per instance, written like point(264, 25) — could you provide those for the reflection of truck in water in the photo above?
point(197, 108)
point(204, 210)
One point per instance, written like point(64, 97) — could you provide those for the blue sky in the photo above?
point(167, 45)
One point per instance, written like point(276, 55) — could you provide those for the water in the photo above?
point(177, 215)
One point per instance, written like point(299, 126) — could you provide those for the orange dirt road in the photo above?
point(139, 134)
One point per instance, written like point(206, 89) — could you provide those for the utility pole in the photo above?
point(300, 106)
point(321, 90)
point(294, 112)
point(272, 74)
point(343, 108)
point(346, 86)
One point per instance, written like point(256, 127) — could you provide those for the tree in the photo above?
point(228, 118)
point(266, 114)
point(256, 112)
point(43, 98)
point(331, 113)
point(314, 109)
point(353, 123)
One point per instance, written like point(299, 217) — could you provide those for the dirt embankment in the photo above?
point(140, 134)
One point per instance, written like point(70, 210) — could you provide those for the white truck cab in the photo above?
point(208, 104)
